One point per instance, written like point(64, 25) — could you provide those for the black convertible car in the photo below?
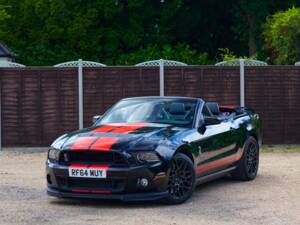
point(149, 148)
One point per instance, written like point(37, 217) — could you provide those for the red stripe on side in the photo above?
point(104, 143)
point(220, 162)
point(83, 143)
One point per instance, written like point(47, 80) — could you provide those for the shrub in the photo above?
point(282, 35)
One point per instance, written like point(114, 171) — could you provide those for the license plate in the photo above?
point(87, 173)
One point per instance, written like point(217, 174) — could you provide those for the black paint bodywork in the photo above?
point(214, 149)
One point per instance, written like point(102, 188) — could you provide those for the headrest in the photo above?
point(177, 108)
point(213, 107)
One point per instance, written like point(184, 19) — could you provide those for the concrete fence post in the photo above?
point(0, 120)
point(161, 78)
point(80, 94)
point(242, 82)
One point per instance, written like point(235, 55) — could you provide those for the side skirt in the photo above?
point(214, 176)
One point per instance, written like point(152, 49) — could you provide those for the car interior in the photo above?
point(177, 112)
point(212, 109)
point(180, 111)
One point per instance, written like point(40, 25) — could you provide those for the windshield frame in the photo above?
point(198, 103)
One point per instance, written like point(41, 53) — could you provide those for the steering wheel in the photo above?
point(188, 116)
point(165, 115)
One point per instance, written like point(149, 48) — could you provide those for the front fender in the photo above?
point(168, 153)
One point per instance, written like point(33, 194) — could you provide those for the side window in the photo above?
point(202, 114)
point(206, 112)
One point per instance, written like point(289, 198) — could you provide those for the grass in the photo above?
point(281, 148)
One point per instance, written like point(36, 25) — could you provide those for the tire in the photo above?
point(247, 166)
point(182, 178)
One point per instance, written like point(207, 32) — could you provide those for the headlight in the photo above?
point(53, 155)
point(59, 142)
point(146, 157)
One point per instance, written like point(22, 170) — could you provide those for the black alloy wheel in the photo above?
point(181, 179)
point(252, 159)
point(247, 167)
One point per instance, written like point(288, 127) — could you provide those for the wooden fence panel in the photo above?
point(10, 116)
point(105, 86)
point(274, 92)
point(39, 104)
point(211, 83)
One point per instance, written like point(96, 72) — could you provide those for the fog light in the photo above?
point(142, 182)
point(66, 157)
point(49, 179)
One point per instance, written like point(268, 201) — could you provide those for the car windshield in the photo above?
point(179, 112)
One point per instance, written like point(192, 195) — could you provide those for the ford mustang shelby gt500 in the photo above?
point(149, 148)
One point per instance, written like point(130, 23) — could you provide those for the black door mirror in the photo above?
point(95, 118)
point(211, 121)
point(207, 122)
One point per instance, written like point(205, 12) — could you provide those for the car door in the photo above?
point(216, 145)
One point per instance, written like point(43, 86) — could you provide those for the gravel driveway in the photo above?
point(273, 198)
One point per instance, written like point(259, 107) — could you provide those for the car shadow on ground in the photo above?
point(203, 188)
point(200, 191)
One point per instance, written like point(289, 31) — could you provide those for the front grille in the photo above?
point(90, 184)
point(92, 157)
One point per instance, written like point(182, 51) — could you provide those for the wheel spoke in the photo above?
point(180, 179)
point(252, 159)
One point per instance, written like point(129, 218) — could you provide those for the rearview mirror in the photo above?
point(95, 118)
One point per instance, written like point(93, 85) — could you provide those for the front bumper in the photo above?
point(147, 196)
point(121, 183)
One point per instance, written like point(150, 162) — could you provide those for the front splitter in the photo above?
point(147, 196)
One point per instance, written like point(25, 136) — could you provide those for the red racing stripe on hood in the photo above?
point(104, 143)
point(83, 143)
point(119, 128)
point(104, 128)
point(128, 128)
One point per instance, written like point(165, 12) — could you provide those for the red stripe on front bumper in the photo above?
point(85, 166)
point(91, 191)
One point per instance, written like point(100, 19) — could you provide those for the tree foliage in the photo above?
point(46, 32)
point(282, 35)
point(3, 14)
point(180, 52)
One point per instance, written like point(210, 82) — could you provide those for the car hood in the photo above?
point(122, 136)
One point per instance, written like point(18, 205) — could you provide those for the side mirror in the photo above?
point(207, 122)
point(211, 121)
point(95, 118)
